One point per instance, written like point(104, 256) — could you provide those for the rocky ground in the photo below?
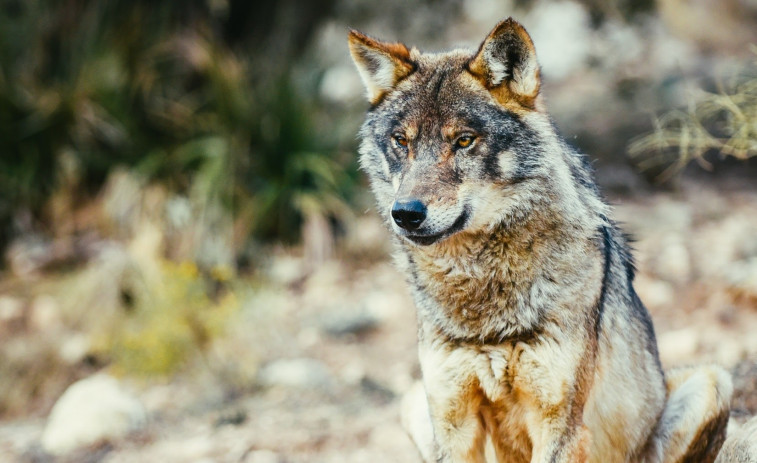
point(334, 347)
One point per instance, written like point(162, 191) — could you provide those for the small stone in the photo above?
point(287, 270)
point(729, 350)
point(673, 262)
point(261, 456)
point(387, 435)
point(350, 324)
point(74, 348)
point(385, 305)
point(654, 293)
point(376, 390)
point(45, 314)
point(353, 372)
point(10, 309)
point(309, 337)
point(90, 411)
point(298, 373)
point(678, 346)
point(233, 418)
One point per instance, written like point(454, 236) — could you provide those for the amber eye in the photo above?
point(400, 140)
point(464, 141)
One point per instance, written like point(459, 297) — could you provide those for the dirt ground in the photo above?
point(335, 348)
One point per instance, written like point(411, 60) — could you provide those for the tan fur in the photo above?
point(523, 88)
point(741, 445)
point(531, 336)
point(373, 56)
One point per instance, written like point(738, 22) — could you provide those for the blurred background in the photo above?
point(189, 252)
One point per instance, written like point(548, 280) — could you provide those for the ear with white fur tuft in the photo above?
point(381, 65)
point(506, 64)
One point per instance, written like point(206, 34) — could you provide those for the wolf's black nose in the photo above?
point(409, 214)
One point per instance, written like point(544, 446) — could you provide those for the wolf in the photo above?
point(530, 334)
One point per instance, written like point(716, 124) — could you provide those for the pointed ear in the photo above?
point(381, 65)
point(506, 64)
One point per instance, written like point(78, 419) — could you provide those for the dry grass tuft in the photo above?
point(723, 122)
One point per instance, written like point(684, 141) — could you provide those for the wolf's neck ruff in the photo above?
point(497, 284)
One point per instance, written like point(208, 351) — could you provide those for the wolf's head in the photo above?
point(458, 141)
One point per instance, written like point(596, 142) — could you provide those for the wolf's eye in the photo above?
point(464, 141)
point(400, 140)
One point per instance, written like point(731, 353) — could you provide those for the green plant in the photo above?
point(292, 172)
point(157, 88)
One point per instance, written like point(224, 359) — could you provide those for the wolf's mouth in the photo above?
point(425, 240)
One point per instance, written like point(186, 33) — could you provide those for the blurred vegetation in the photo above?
point(140, 317)
point(178, 92)
point(153, 144)
point(167, 324)
point(724, 122)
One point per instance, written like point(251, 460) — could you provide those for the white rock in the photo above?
point(353, 372)
point(678, 346)
point(74, 348)
point(92, 410)
point(385, 305)
point(286, 270)
point(10, 308)
point(299, 373)
point(309, 337)
point(45, 314)
point(729, 350)
point(262, 456)
point(654, 293)
point(673, 262)
point(387, 436)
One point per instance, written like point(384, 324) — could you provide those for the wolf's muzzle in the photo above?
point(409, 214)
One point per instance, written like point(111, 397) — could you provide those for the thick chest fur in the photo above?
point(502, 285)
point(511, 384)
point(509, 319)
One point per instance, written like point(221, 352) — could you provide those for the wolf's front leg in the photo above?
point(553, 380)
point(454, 399)
point(571, 444)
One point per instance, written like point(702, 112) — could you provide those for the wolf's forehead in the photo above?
point(441, 87)
point(454, 58)
point(439, 72)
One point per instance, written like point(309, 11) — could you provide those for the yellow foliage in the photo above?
point(172, 321)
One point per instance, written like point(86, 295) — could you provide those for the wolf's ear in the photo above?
point(381, 65)
point(506, 63)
